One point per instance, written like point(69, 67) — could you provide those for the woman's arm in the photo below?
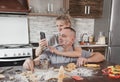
point(76, 53)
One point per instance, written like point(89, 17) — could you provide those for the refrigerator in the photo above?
point(110, 25)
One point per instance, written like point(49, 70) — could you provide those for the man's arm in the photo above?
point(76, 53)
point(95, 57)
point(29, 63)
point(38, 51)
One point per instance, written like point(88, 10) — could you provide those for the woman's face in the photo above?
point(61, 24)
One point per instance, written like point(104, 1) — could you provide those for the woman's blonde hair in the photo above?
point(65, 18)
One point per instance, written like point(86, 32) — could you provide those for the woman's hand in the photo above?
point(53, 50)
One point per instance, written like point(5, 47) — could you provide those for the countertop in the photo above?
point(94, 45)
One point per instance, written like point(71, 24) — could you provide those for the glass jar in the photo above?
point(91, 39)
point(101, 38)
point(44, 63)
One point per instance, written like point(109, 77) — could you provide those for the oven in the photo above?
point(14, 56)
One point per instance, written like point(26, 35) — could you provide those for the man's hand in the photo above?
point(29, 64)
point(81, 61)
point(43, 43)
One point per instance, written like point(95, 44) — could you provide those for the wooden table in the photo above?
point(98, 78)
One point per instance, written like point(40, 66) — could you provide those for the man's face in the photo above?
point(61, 25)
point(66, 37)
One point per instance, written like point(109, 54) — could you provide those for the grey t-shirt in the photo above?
point(57, 59)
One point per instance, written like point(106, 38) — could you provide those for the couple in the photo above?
point(66, 51)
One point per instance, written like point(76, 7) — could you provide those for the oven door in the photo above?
point(12, 61)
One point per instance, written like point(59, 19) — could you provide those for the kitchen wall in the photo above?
point(47, 25)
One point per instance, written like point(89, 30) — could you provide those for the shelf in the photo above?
point(43, 14)
point(96, 45)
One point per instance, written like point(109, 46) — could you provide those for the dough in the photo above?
point(70, 67)
point(2, 76)
point(29, 75)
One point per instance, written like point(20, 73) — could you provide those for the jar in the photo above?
point(44, 64)
point(91, 39)
point(101, 38)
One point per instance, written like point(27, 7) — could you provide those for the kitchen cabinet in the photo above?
point(47, 7)
point(85, 8)
point(14, 6)
point(101, 49)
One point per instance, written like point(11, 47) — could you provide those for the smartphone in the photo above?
point(42, 35)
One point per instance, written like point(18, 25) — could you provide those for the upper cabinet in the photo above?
point(14, 6)
point(85, 8)
point(76, 8)
point(47, 7)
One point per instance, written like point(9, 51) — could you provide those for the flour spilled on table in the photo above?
point(38, 75)
point(82, 71)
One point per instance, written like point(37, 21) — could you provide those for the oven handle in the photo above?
point(20, 59)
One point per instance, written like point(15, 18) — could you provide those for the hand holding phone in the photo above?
point(42, 35)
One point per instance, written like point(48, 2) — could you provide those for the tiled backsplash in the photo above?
point(47, 25)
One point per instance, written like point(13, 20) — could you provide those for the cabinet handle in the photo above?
point(85, 9)
point(91, 50)
point(88, 9)
point(51, 7)
point(109, 40)
point(48, 7)
point(5, 60)
point(109, 54)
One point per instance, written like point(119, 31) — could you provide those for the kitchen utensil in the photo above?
point(4, 70)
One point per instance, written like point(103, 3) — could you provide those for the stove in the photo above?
point(14, 54)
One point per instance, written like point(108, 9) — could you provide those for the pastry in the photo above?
point(70, 67)
point(92, 65)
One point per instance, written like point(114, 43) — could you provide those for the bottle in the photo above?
point(101, 38)
point(85, 38)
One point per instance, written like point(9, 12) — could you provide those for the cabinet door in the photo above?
point(95, 8)
point(85, 8)
point(99, 49)
point(95, 49)
point(77, 7)
point(47, 7)
point(38, 6)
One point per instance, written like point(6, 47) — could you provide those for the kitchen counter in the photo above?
point(94, 45)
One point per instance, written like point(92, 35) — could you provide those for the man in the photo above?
point(55, 54)
point(66, 40)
